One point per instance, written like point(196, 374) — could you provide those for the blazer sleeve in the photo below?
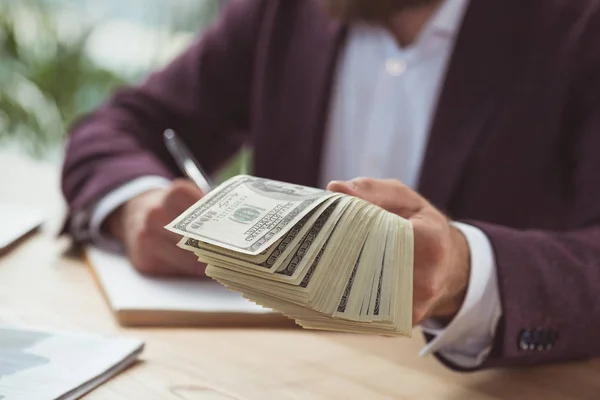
point(549, 281)
point(204, 95)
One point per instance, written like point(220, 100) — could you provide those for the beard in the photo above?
point(371, 11)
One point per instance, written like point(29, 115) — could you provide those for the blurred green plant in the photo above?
point(46, 78)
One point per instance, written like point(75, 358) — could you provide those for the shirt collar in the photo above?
point(448, 18)
point(445, 23)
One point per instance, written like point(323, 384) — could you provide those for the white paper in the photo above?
point(46, 365)
point(126, 289)
point(16, 221)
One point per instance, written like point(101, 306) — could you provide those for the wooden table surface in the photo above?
point(42, 285)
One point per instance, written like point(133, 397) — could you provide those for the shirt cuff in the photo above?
point(467, 340)
point(95, 217)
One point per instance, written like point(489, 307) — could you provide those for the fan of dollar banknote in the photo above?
point(327, 260)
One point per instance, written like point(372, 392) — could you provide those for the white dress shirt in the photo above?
point(380, 117)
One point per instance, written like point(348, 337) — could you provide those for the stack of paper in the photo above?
point(16, 221)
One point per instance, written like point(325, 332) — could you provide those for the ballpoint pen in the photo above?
point(186, 161)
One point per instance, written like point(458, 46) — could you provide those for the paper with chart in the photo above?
point(48, 365)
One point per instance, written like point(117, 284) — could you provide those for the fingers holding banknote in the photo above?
point(139, 225)
point(441, 254)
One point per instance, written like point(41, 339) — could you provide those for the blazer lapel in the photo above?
point(479, 71)
point(322, 49)
point(297, 84)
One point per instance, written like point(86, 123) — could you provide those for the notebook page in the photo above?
point(126, 289)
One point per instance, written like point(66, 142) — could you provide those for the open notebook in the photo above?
point(138, 300)
point(51, 365)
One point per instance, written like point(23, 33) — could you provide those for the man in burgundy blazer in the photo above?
point(512, 149)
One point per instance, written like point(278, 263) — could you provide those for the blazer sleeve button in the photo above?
point(525, 339)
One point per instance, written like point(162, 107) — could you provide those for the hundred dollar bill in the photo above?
point(247, 214)
point(269, 260)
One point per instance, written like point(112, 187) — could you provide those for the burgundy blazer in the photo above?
point(514, 148)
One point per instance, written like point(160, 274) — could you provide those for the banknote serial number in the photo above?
point(269, 221)
point(229, 206)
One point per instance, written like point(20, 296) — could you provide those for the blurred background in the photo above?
point(62, 58)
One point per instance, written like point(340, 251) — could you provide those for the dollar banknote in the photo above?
point(327, 260)
point(247, 214)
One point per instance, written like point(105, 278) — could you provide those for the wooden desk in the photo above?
point(40, 285)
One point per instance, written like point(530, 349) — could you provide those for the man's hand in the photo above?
point(139, 225)
point(442, 257)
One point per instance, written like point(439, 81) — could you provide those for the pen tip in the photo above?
point(169, 134)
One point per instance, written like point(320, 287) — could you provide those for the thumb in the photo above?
point(344, 187)
point(389, 194)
